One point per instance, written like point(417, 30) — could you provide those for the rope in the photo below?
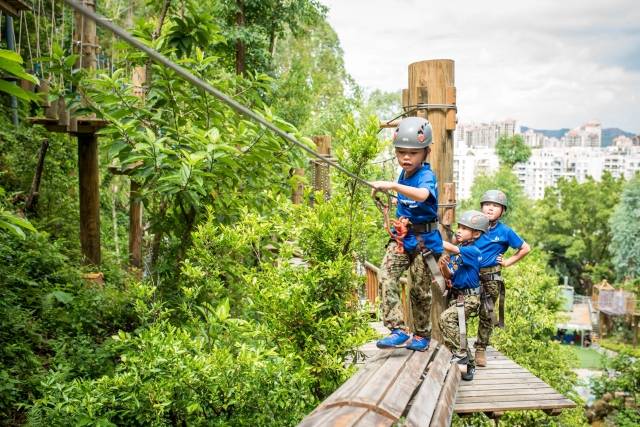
point(196, 81)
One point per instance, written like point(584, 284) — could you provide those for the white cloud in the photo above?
point(548, 64)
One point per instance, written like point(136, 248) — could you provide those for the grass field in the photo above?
point(588, 358)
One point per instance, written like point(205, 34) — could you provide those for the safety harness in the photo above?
point(401, 227)
point(492, 274)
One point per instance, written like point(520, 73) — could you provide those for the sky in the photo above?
point(547, 64)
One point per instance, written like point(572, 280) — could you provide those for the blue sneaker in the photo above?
point(395, 339)
point(419, 343)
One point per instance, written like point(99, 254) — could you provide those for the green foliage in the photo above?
point(13, 224)
point(573, 226)
point(11, 64)
point(312, 84)
point(49, 317)
point(619, 347)
point(512, 150)
point(624, 377)
point(251, 339)
point(625, 231)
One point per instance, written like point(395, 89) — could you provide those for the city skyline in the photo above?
point(558, 64)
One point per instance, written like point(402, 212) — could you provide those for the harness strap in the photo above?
point(501, 305)
point(462, 324)
point(432, 265)
point(488, 305)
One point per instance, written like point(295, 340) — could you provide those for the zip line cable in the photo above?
point(196, 81)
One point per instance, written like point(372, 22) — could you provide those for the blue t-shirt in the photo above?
point(421, 212)
point(465, 267)
point(495, 242)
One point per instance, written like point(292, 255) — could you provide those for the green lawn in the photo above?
point(588, 358)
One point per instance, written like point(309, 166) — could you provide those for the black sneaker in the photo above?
point(471, 369)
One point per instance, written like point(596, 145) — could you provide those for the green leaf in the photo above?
point(62, 297)
point(17, 91)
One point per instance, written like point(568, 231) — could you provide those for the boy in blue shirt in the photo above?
point(493, 244)
point(463, 269)
point(417, 195)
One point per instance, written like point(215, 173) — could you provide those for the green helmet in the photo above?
point(475, 220)
point(413, 132)
point(495, 196)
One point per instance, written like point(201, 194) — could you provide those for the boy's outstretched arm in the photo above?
point(450, 247)
point(524, 249)
point(414, 193)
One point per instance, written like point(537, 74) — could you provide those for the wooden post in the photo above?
point(89, 183)
point(85, 43)
point(432, 82)
point(135, 204)
point(322, 181)
point(298, 186)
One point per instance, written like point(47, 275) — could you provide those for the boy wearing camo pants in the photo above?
point(493, 244)
point(417, 197)
point(463, 270)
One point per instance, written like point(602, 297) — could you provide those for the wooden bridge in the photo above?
point(425, 389)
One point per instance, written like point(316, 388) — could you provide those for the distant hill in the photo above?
point(608, 134)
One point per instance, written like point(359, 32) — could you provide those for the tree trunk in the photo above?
point(32, 200)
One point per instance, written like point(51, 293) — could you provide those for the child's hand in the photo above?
point(381, 185)
point(503, 262)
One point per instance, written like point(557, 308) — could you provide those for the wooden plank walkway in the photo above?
point(502, 386)
point(420, 386)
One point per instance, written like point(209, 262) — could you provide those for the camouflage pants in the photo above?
point(393, 266)
point(449, 322)
point(485, 326)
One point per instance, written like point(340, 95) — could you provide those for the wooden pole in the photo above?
point(322, 180)
point(85, 43)
point(135, 204)
point(432, 82)
point(298, 186)
point(89, 183)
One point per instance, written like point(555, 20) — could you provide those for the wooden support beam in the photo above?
point(85, 44)
point(428, 84)
point(322, 179)
point(89, 183)
point(13, 7)
point(136, 230)
point(298, 186)
point(135, 226)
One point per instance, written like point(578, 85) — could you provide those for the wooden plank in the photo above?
point(373, 419)
point(502, 371)
point(514, 406)
point(509, 398)
point(397, 397)
point(503, 381)
point(338, 416)
point(462, 393)
point(377, 387)
point(424, 404)
point(353, 384)
point(13, 7)
point(502, 387)
point(444, 409)
point(507, 375)
point(370, 388)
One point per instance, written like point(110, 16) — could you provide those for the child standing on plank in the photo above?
point(417, 194)
point(463, 269)
point(493, 244)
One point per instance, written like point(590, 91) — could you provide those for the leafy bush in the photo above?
point(48, 316)
point(248, 338)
